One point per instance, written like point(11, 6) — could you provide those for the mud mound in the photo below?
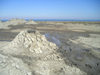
point(32, 41)
point(16, 21)
point(12, 22)
point(31, 22)
point(31, 54)
point(3, 25)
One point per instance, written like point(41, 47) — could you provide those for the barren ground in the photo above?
point(81, 40)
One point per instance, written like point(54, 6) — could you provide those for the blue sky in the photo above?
point(51, 9)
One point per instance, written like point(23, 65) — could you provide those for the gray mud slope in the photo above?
point(83, 56)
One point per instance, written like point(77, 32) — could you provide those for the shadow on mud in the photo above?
point(76, 55)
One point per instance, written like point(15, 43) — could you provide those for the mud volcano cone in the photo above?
point(31, 22)
point(30, 41)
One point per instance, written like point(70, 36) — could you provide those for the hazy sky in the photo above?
point(52, 9)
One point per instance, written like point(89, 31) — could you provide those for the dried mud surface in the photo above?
point(78, 46)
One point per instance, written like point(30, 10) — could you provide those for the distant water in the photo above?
point(4, 20)
point(62, 20)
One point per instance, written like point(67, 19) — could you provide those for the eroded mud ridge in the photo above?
point(30, 53)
